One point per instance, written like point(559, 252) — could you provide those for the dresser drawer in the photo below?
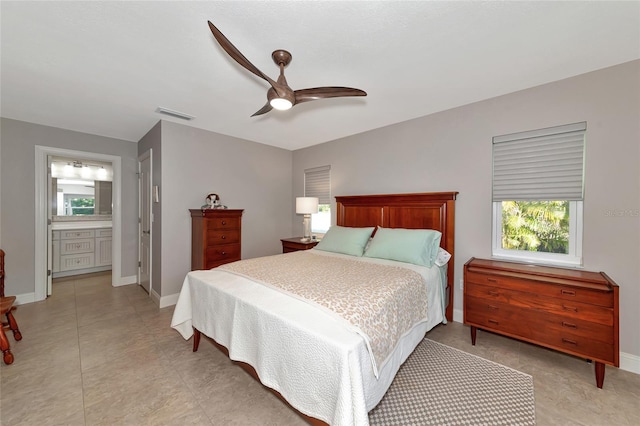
point(101, 233)
point(493, 316)
point(77, 261)
point(576, 345)
point(508, 320)
point(77, 246)
point(222, 236)
point(80, 233)
point(486, 313)
point(217, 255)
point(546, 288)
point(223, 223)
point(565, 307)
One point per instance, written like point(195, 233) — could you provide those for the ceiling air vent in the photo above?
point(176, 114)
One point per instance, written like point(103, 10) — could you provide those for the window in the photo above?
point(317, 183)
point(538, 195)
point(79, 205)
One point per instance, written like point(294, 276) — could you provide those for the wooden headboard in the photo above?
point(432, 210)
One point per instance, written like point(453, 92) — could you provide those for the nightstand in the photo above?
point(294, 244)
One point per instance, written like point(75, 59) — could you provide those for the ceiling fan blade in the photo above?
point(239, 57)
point(305, 95)
point(265, 109)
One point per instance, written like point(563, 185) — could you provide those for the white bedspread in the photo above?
point(319, 366)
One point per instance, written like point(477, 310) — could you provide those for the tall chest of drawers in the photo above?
point(216, 236)
point(572, 311)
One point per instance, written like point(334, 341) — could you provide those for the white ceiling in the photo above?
point(105, 67)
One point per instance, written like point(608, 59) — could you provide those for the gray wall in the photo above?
point(153, 140)
point(451, 151)
point(246, 175)
point(17, 218)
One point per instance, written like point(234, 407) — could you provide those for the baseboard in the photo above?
point(155, 297)
point(457, 315)
point(630, 362)
point(131, 279)
point(169, 300)
point(22, 299)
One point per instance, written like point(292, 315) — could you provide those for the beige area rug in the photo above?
point(441, 385)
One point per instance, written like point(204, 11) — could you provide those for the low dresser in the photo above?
point(569, 310)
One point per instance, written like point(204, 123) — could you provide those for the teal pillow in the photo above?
point(416, 246)
point(340, 239)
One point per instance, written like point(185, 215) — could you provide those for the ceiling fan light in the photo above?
point(281, 104)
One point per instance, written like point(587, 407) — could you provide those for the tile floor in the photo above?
point(97, 355)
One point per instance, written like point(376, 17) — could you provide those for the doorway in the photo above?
point(80, 201)
point(145, 236)
point(42, 213)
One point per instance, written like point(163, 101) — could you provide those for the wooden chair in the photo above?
point(6, 306)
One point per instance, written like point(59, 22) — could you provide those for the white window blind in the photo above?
point(317, 183)
point(546, 164)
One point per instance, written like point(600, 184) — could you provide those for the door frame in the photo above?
point(42, 205)
point(141, 158)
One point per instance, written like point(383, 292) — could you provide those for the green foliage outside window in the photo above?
point(541, 226)
point(81, 206)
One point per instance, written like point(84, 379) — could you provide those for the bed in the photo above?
point(329, 372)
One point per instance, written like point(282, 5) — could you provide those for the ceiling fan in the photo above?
point(280, 96)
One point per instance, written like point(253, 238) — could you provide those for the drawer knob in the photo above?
point(224, 253)
point(224, 222)
point(492, 321)
point(495, 308)
point(569, 325)
point(570, 342)
point(492, 280)
point(493, 293)
point(569, 308)
point(567, 292)
point(224, 237)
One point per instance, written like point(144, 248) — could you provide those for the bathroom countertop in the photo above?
point(87, 224)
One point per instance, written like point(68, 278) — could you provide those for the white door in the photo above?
point(146, 220)
point(50, 197)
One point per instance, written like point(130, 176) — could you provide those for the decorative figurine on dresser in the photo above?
point(213, 202)
point(216, 234)
point(569, 310)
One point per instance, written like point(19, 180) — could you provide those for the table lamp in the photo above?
point(306, 206)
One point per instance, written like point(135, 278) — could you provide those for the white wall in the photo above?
point(17, 218)
point(451, 151)
point(246, 175)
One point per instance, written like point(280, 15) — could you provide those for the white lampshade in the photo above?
point(306, 205)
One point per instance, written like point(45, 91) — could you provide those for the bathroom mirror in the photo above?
point(80, 189)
